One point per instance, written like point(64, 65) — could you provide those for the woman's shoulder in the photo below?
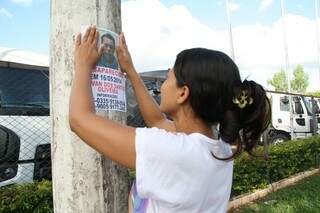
point(183, 141)
point(217, 146)
point(155, 131)
point(195, 136)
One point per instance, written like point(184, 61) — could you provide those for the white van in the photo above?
point(24, 118)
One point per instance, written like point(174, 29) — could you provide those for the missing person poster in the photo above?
point(107, 81)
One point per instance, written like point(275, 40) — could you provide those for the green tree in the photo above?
point(299, 83)
point(300, 80)
point(279, 81)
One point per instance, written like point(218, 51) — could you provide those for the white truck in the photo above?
point(24, 117)
point(302, 113)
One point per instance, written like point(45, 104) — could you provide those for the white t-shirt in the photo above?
point(177, 172)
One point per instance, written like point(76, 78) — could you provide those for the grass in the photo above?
point(300, 198)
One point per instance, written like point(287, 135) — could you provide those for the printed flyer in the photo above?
point(107, 81)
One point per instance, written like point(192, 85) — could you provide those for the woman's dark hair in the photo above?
point(218, 96)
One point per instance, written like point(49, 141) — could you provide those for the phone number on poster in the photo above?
point(110, 104)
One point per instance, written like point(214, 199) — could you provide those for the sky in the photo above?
point(174, 25)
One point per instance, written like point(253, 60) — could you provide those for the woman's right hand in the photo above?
point(124, 56)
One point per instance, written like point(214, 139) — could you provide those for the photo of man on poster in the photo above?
point(108, 58)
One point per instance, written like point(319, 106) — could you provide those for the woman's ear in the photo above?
point(183, 94)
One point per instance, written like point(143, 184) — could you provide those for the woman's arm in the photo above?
point(113, 140)
point(149, 108)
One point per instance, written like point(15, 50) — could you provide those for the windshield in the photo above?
point(24, 88)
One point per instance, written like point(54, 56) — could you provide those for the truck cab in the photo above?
point(280, 123)
point(24, 120)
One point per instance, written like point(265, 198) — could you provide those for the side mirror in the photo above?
point(285, 100)
point(315, 105)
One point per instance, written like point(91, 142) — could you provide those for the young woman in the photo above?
point(181, 165)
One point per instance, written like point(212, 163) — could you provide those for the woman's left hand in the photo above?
point(87, 53)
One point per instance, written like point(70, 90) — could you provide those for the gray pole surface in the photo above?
point(83, 180)
point(317, 34)
point(287, 67)
point(230, 30)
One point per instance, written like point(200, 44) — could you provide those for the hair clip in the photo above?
point(242, 100)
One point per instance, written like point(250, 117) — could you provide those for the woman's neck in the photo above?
point(189, 123)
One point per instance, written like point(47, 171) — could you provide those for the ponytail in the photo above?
point(247, 118)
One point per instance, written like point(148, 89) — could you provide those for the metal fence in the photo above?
point(25, 120)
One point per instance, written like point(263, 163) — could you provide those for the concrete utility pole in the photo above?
point(83, 180)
